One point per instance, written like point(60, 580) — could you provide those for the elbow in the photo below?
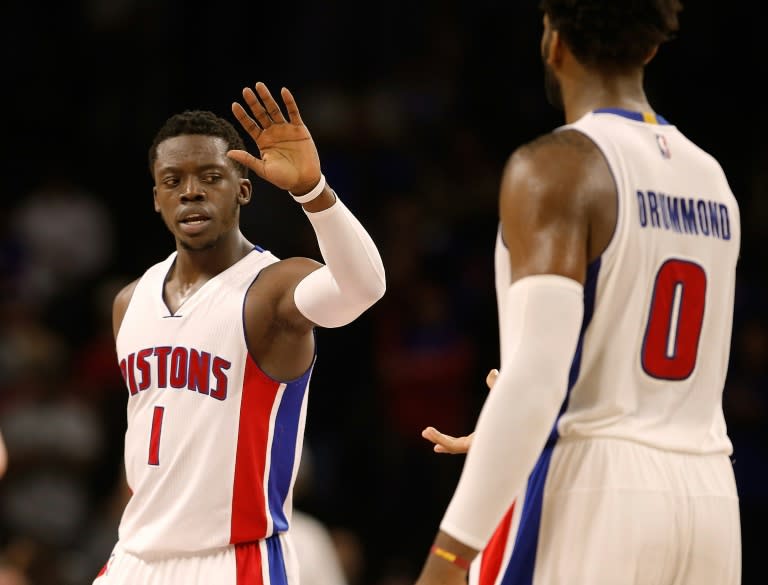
point(329, 302)
point(356, 304)
point(376, 290)
point(369, 291)
point(367, 295)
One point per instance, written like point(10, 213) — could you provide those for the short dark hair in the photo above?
point(613, 34)
point(201, 122)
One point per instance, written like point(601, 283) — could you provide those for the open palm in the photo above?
point(288, 156)
point(455, 445)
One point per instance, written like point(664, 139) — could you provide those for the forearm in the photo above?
point(448, 558)
point(545, 315)
point(352, 278)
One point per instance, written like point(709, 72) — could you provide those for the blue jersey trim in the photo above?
point(590, 292)
point(283, 455)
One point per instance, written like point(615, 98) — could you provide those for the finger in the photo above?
point(248, 123)
point(428, 433)
point(432, 434)
point(269, 103)
point(290, 106)
point(256, 107)
point(452, 445)
point(490, 379)
point(443, 443)
point(247, 159)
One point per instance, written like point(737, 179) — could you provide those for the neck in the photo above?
point(593, 91)
point(194, 265)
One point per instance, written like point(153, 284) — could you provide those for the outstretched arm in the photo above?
point(352, 277)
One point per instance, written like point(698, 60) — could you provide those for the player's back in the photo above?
point(638, 457)
point(653, 354)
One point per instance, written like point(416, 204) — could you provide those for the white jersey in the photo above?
point(653, 353)
point(213, 443)
point(646, 382)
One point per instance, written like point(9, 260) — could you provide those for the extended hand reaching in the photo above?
point(288, 156)
point(455, 445)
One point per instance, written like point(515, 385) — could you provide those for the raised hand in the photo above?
point(288, 156)
point(455, 445)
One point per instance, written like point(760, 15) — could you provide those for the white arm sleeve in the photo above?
point(353, 276)
point(544, 316)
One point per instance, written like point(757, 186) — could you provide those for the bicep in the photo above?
point(274, 291)
point(279, 338)
point(543, 217)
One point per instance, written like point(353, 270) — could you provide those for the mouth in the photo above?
point(194, 223)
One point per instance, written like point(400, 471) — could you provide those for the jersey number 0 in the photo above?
point(674, 321)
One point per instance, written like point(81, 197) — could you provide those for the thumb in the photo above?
point(246, 159)
point(490, 379)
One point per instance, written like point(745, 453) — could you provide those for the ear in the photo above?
point(154, 198)
point(555, 50)
point(244, 194)
point(650, 55)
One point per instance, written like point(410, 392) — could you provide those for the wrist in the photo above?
point(313, 193)
point(450, 557)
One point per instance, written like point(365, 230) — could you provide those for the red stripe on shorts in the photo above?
point(248, 563)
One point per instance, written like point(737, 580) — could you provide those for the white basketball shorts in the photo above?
point(267, 562)
point(614, 512)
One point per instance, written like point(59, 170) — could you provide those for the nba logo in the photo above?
point(663, 146)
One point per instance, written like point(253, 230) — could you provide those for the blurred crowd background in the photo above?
point(414, 107)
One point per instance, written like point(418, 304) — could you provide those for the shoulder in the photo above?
point(552, 156)
point(286, 272)
point(123, 296)
point(120, 304)
point(556, 168)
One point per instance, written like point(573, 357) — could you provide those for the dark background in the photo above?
point(414, 107)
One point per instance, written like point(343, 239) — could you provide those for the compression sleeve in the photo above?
point(544, 316)
point(352, 278)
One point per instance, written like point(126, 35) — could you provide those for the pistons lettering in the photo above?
point(176, 367)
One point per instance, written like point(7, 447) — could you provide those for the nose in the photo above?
point(193, 190)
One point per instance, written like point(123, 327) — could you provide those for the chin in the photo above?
point(196, 246)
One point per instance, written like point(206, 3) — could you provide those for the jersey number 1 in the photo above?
point(154, 436)
point(674, 321)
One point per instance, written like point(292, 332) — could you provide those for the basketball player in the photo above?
point(216, 344)
point(601, 453)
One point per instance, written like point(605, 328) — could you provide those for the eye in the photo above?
point(212, 178)
point(170, 182)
